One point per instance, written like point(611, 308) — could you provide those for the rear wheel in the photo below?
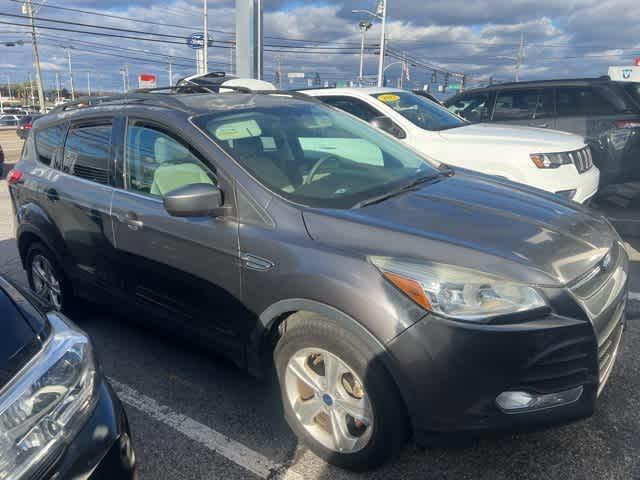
point(46, 278)
point(337, 396)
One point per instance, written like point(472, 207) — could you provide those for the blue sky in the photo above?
point(564, 38)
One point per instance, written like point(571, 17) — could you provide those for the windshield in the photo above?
point(420, 111)
point(314, 155)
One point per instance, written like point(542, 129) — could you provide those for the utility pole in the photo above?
point(71, 84)
point(279, 71)
point(89, 83)
point(57, 88)
point(231, 52)
point(28, 6)
point(9, 86)
point(382, 12)
point(520, 57)
point(124, 80)
point(171, 71)
point(206, 37)
point(364, 26)
point(31, 95)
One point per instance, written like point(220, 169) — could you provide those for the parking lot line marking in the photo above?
point(198, 432)
point(634, 296)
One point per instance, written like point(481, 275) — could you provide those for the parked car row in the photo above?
point(392, 293)
point(553, 161)
point(606, 113)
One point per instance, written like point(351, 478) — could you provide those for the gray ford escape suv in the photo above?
point(393, 295)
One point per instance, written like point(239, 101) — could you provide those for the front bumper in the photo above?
point(451, 372)
point(102, 449)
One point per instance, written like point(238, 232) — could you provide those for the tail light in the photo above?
point(627, 123)
point(14, 176)
point(28, 125)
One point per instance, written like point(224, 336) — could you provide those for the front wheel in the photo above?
point(337, 396)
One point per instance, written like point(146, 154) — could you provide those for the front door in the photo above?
point(188, 269)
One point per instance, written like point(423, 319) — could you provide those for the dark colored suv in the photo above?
point(392, 293)
point(605, 112)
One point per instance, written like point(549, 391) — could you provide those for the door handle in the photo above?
point(539, 125)
point(52, 194)
point(130, 219)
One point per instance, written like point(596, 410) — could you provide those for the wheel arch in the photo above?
point(265, 335)
point(34, 225)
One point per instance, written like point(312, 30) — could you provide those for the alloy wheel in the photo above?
point(45, 283)
point(329, 400)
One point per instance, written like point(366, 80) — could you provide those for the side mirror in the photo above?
point(195, 200)
point(387, 125)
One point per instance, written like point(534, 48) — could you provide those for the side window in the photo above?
point(158, 163)
point(475, 108)
point(353, 106)
point(597, 100)
point(519, 105)
point(48, 141)
point(87, 153)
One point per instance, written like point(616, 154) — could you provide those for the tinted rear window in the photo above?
point(610, 99)
point(48, 141)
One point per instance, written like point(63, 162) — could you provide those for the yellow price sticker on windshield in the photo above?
point(388, 97)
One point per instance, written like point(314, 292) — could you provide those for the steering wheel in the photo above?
point(316, 167)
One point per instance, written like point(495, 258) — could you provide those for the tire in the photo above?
point(40, 254)
point(388, 426)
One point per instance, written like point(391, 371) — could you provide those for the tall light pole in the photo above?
point(89, 83)
point(380, 14)
point(57, 88)
point(9, 86)
point(28, 7)
point(171, 71)
point(364, 26)
point(520, 58)
point(71, 84)
point(205, 62)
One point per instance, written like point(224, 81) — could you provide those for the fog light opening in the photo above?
point(526, 402)
point(568, 194)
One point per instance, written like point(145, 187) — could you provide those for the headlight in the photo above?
point(551, 160)
point(456, 292)
point(47, 402)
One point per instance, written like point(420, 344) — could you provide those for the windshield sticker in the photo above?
point(238, 130)
point(388, 97)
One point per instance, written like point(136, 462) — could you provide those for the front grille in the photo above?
point(560, 367)
point(582, 159)
point(608, 346)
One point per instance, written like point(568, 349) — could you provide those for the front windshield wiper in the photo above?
point(412, 185)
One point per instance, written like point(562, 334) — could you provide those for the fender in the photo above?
point(268, 318)
point(33, 221)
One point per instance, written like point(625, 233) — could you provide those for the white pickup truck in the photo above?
point(554, 161)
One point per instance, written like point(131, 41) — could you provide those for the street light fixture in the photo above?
point(380, 14)
point(364, 26)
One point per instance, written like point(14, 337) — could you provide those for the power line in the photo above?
point(186, 27)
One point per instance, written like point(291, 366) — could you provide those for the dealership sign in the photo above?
point(147, 81)
point(625, 74)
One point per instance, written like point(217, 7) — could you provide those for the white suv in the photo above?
point(550, 160)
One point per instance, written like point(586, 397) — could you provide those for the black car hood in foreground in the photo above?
point(470, 220)
point(19, 341)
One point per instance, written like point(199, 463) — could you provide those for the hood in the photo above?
point(475, 221)
point(537, 140)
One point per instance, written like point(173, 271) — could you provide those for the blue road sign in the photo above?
point(196, 41)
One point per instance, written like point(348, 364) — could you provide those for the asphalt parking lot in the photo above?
point(195, 416)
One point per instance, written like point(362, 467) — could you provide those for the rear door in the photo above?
point(79, 199)
point(186, 269)
point(532, 107)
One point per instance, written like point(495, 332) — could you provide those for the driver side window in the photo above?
point(158, 163)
